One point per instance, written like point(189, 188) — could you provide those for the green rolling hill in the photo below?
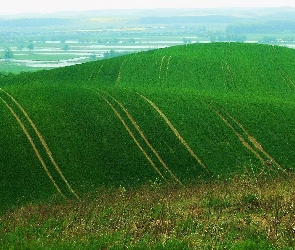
point(176, 115)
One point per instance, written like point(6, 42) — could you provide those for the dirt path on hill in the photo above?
point(44, 144)
point(146, 140)
point(134, 139)
point(177, 134)
point(33, 146)
point(255, 142)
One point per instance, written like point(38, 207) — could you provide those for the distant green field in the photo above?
point(176, 115)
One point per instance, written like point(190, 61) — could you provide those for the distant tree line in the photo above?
point(32, 22)
point(188, 19)
point(219, 36)
point(262, 28)
point(273, 39)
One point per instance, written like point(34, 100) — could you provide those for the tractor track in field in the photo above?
point(146, 140)
point(175, 131)
point(161, 65)
point(241, 138)
point(167, 69)
point(33, 146)
point(89, 78)
point(120, 72)
point(254, 142)
point(96, 75)
point(98, 72)
point(291, 81)
point(228, 75)
point(43, 142)
point(134, 138)
point(283, 72)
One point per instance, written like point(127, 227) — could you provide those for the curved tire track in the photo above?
point(241, 138)
point(33, 146)
point(177, 134)
point(161, 65)
point(134, 138)
point(255, 142)
point(120, 72)
point(146, 140)
point(44, 144)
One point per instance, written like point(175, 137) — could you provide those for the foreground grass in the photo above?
point(244, 212)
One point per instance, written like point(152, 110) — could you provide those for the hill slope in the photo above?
point(173, 115)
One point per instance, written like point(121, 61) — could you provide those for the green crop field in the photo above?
point(177, 116)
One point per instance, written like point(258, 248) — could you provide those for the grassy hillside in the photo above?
point(175, 115)
point(245, 212)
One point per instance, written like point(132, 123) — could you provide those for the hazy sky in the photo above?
point(47, 6)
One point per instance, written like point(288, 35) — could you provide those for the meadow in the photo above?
point(186, 140)
point(244, 212)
